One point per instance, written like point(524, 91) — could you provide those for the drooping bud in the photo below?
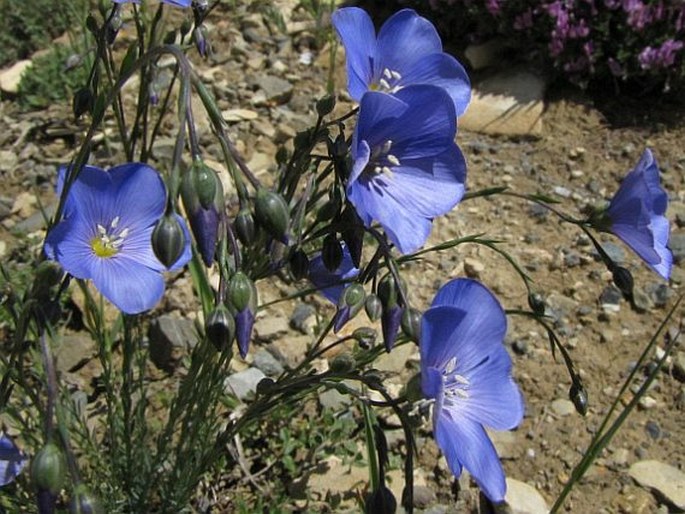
point(331, 253)
point(353, 234)
point(365, 336)
point(168, 239)
point(373, 307)
point(623, 279)
point(201, 41)
point(578, 395)
point(351, 302)
point(536, 303)
point(342, 363)
point(220, 328)
point(204, 221)
point(242, 297)
point(84, 502)
point(299, 264)
point(411, 324)
point(244, 227)
point(391, 318)
point(272, 213)
point(114, 23)
point(49, 469)
point(83, 102)
point(380, 501)
point(325, 105)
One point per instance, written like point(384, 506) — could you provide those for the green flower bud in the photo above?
point(536, 303)
point(302, 138)
point(328, 210)
point(206, 184)
point(411, 324)
point(325, 105)
point(365, 336)
point(220, 328)
point(578, 395)
point(242, 292)
point(49, 469)
point(83, 102)
point(343, 363)
point(373, 307)
point(272, 213)
point(168, 240)
point(623, 279)
point(84, 502)
point(244, 227)
point(349, 305)
point(387, 291)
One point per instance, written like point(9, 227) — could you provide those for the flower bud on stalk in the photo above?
point(49, 469)
point(83, 102)
point(168, 240)
point(392, 310)
point(244, 227)
point(201, 42)
point(272, 213)
point(623, 279)
point(373, 307)
point(351, 302)
point(325, 105)
point(84, 502)
point(242, 297)
point(203, 200)
point(343, 363)
point(380, 501)
point(365, 336)
point(411, 324)
point(536, 303)
point(578, 395)
point(331, 253)
point(114, 23)
point(220, 328)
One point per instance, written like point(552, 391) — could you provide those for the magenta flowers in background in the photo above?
point(636, 215)
point(407, 168)
point(407, 51)
point(105, 235)
point(467, 371)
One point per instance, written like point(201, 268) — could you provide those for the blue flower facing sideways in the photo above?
point(105, 235)
point(636, 214)
point(466, 370)
point(407, 169)
point(11, 460)
point(407, 51)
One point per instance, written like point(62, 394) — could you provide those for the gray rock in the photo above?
point(168, 333)
point(563, 407)
point(244, 383)
point(677, 245)
point(334, 399)
point(610, 296)
point(524, 499)
point(303, 318)
point(423, 496)
point(653, 429)
point(666, 480)
point(276, 90)
point(267, 363)
point(270, 326)
point(614, 251)
point(73, 351)
point(35, 221)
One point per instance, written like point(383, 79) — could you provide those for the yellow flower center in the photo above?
point(108, 243)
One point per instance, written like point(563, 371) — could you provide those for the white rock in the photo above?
point(524, 499)
point(667, 480)
point(233, 115)
point(563, 407)
point(508, 103)
point(10, 77)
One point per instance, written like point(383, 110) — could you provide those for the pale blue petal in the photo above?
point(69, 243)
point(378, 115)
point(465, 443)
point(140, 195)
point(11, 460)
point(403, 40)
point(439, 327)
point(332, 284)
point(355, 29)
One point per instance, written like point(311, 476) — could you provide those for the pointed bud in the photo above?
point(49, 469)
point(206, 183)
point(241, 292)
point(299, 264)
point(84, 100)
point(373, 307)
point(353, 234)
point(201, 41)
point(380, 501)
point(365, 336)
point(578, 395)
point(390, 325)
point(331, 253)
point(623, 279)
point(387, 291)
point(220, 328)
point(411, 324)
point(536, 303)
point(325, 105)
point(244, 322)
point(244, 227)
point(272, 213)
point(351, 302)
point(168, 240)
point(84, 502)
point(114, 23)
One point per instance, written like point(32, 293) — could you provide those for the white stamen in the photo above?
point(460, 379)
point(115, 222)
point(387, 73)
point(451, 365)
point(393, 160)
point(395, 75)
point(384, 84)
point(387, 170)
point(102, 230)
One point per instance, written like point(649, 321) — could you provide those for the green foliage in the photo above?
point(29, 25)
point(48, 81)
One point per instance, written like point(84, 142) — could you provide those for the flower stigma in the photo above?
point(107, 243)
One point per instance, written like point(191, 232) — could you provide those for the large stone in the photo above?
point(244, 383)
point(524, 499)
point(10, 77)
point(666, 480)
point(508, 103)
point(169, 333)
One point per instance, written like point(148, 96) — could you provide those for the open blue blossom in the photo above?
point(11, 460)
point(106, 234)
point(636, 215)
point(407, 51)
point(467, 371)
point(332, 284)
point(177, 3)
point(407, 168)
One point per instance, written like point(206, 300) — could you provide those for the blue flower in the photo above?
point(11, 460)
point(177, 3)
point(407, 51)
point(636, 215)
point(407, 168)
point(106, 234)
point(332, 284)
point(467, 371)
